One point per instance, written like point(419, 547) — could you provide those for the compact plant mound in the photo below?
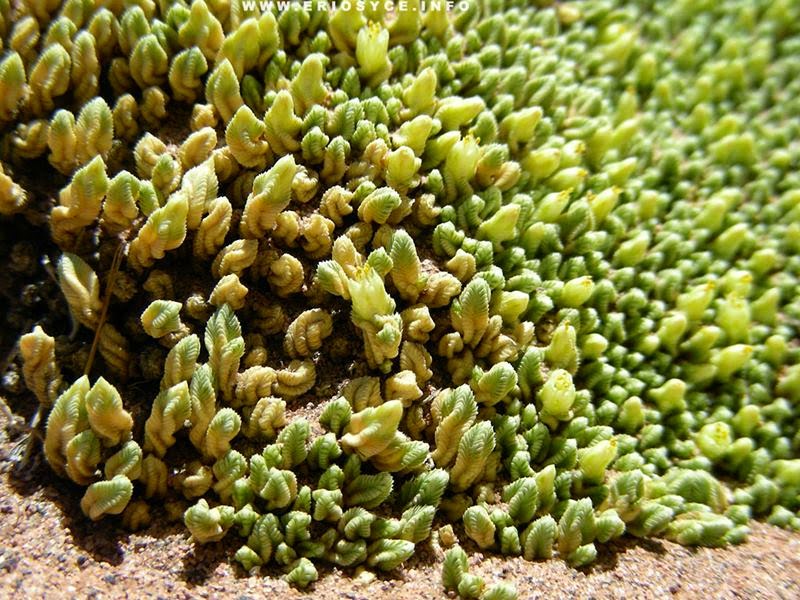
point(544, 260)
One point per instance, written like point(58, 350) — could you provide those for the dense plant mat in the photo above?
point(343, 283)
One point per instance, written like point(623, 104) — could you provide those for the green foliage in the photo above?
point(455, 415)
point(107, 497)
point(225, 346)
point(171, 409)
point(302, 573)
point(539, 538)
point(208, 524)
point(522, 497)
point(453, 567)
point(473, 453)
point(388, 554)
point(479, 526)
point(565, 236)
point(368, 491)
point(181, 361)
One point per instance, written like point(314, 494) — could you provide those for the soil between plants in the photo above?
point(49, 550)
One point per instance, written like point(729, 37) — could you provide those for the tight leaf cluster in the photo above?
point(346, 282)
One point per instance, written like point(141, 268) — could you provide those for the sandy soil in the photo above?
point(48, 549)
